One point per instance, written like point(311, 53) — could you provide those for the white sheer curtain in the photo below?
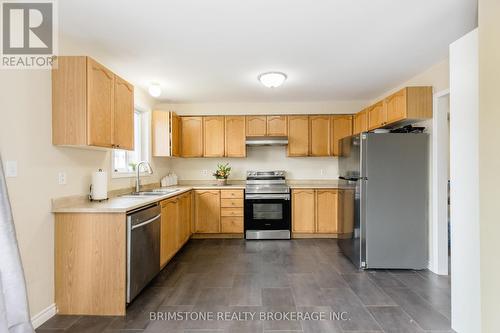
point(14, 313)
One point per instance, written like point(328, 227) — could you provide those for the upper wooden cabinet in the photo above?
point(342, 127)
point(235, 136)
point(410, 103)
point(320, 131)
point(298, 135)
point(213, 136)
point(303, 210)
point(377, 115)
point(165, 130)
point(91, 106)
point(256, 125)
point(360, 122)
point(207, 211)
point(276, 126)
point(191, 136)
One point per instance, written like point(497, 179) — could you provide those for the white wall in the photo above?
point(261, 158)
point(464, 176)
point(25, 136)
point(489, 161)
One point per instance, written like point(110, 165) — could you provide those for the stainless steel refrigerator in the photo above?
point(390, 174)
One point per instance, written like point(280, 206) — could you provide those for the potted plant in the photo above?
point(221, 174)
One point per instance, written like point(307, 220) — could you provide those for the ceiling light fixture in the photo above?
point(154, 89)
point(272, 79)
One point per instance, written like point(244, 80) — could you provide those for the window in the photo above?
point(124, 161)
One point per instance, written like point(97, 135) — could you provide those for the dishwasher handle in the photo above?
point(146, 222)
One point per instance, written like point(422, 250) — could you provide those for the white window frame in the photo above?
point(144, 146)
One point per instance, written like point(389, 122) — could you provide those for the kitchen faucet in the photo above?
point(149, 170)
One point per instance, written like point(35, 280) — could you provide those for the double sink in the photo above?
point(150, 193)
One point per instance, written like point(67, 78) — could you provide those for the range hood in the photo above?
point(267, 141)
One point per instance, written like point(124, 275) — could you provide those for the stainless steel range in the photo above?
point(267, 205)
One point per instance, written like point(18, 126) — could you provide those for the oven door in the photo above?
point(267, 212)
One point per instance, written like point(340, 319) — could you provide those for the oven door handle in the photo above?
point(284, 196)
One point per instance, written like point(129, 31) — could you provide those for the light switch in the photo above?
point(10, 169)
point(61, 178)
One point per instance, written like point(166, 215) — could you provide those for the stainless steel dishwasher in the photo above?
point(143, 248)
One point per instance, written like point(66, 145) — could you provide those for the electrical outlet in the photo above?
point(61, 178)
point(204, 172)
point(322, 172)
point(10, 169)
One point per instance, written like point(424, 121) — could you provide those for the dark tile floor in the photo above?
point(298, 276)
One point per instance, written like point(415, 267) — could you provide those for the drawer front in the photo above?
point(232, 225)
point(231, 212)
point(237, 203)
point(231, 194)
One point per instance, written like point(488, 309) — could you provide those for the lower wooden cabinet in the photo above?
point(175, 230)
point(316, 211)
point(218, 211)
point(169, 239)
point(207, 211)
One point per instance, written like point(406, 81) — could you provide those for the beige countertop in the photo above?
point(123, 204)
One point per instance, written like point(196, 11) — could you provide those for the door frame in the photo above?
point(438, 231)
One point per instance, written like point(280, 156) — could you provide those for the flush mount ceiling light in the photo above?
point(272, 79)
point(154, 89)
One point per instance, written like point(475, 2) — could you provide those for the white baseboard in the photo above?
point(44, 315)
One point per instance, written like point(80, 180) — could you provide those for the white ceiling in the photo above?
point(212, 51)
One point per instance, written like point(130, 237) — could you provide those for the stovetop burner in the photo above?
point(266, 182)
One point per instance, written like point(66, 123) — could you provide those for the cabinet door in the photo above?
point(276, 126)
point(100, 104)
point(213, 136)
point(123, 118)
point(327, 211)
point(342, 127)
point(298, 136)
point(360, 122)
point(175, 134)
point(396, 106)
point(346, 211)
point(207, 211)
point(235, 136)
point(377, 115)
point(169, 242)
point(256, 125)
point(320, 133)
point(184, 218)
point(303, 211)
point(192, 136)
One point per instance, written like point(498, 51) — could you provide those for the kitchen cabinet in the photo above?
point(360, 122)
point(326, 212)
point(320, 130)
point(410, 103)
point(165, 132)
point(185, 213)
point(377, 115)
point(321, 211)
point(213, 136)
point(169, 239)
point(207, 211)
point(256, 125)
point(91, 106)
point(298, 135)
point(342, 127)
point(235, 135)
point(303, 211)
point(276, 126)
point(191, 136)
point(123, 118)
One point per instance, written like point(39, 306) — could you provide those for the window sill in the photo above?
point(115, 174)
